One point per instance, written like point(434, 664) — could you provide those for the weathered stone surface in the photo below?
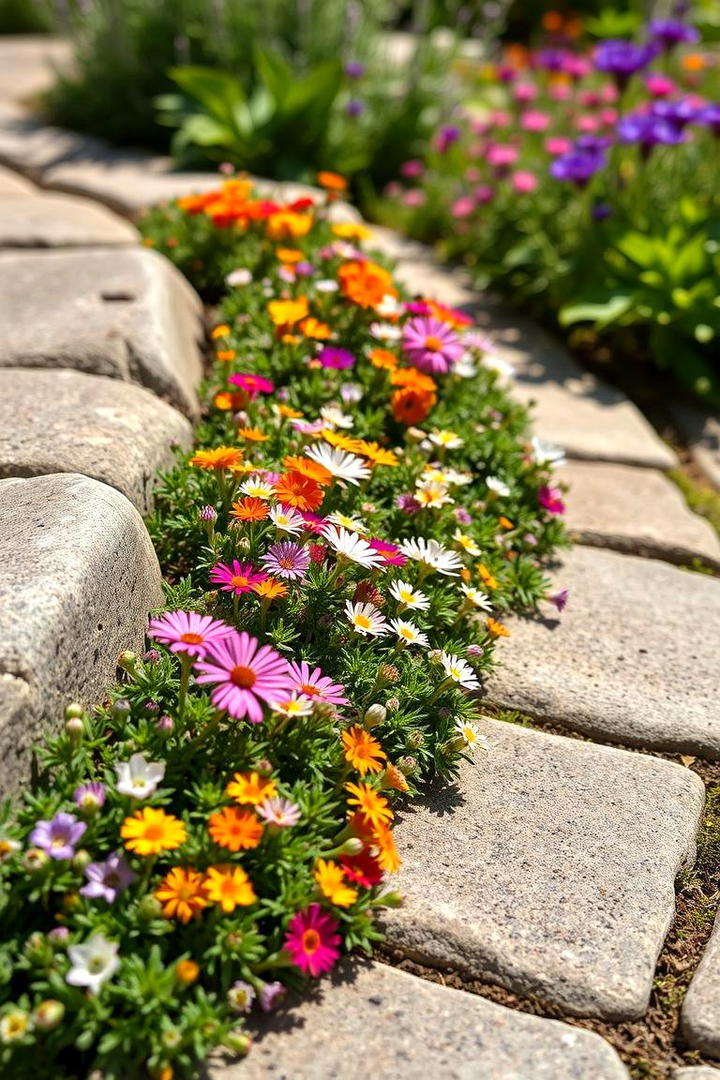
point(636, 510)
point(31, 147)
point(590, 419)
point(66, 421)
point(28, 63)
point(122, 312)
point(701, 1007)
point(13, 184)
point(56, 221)
point(702, 432)
point(78, 575)
point(696, 1072)
point(633, 658)
point(372, 1020)
point(548, 869)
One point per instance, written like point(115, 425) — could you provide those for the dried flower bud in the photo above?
point(415, 740)
point(389, 675)
point(367, 592)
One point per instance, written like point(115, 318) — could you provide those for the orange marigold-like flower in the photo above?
point(230, 887)
point(285, 313)
point(227, 400)
point(362, 751)
point(365, 283)
point(253, 434)
point(286, 224)
point(150, 831)
point(250, 788)
point(237, 830)
point(387, 856)
point(344, 442)
point(306, 467)
point(373, 807)
point(486, 577)
point(225, 356)
point(270, 589)
point(505, 523)
point(383, 358)
point(221, 457)
point(416, 380)
point(249, 509)
point(289, 255)
point(395, 779)
point(294, 489)
point(186, 971)
point(332, 181)
point(496, 629)
point(376, 453)
point(288, 412)
point(314, 328)
point(181, 894)
point(331, 881)
point(411, 406)
point(220, 331)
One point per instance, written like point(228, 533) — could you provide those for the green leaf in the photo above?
point(602, 313)
point(218, 91)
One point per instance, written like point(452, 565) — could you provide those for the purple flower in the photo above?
point(648, 131)
point(601, 211)
point(271, 995)
point(621, 58)
point(354, 69)
point(551, 59)
point(107, 879)
point(446, 137)
point(332, 357)
point(431, 345)
point(58, 836)
point(678, 113)
point(355, 107)
point(671, 32)
point(710, 115)
point(577, 166)
point(559, 599)
point(408, 504)
point(89, 796)
point(287, 560)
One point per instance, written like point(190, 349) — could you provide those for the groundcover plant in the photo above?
point(363, 505)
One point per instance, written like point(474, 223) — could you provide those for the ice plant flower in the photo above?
point(236, 830)
point(221, 457)
point(138, 777)
point(229, 887)
point(409, 633)
point(59, 835)
point(315, 685)
point(279, 813)
point(93, 963)
point(408, 597)
point(182, 894)
point(366, 619)
point(312, 941)
point(477, 598)
point(237, 578)
point(287, 560)
point(459, 671)
point(294, 705)
point(330, 880)
point(299, 491)
point(240, 996)
point(107, 879)
point(470, 734)
point(151, 831)
point(373, 808)
point(433, 556)
point(249, 789)
point(390, 553)
point(332, 357)
point(245, 674)
point(549, 499)
point(287, 520)
point(338, 463)
point(348, 545)
point(89, 797)
point(186, 631)
point(362, 750)
point(431, 345)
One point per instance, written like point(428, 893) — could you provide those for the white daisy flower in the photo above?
point(501, 367)
point(287, 520)
point(296, 705)
point(432, 555)
point(432, 495)
point(447, 439)
point(389, 306)
point(351, 546)
point(366, 619)
point(326, 285)
point(385, 331)
point(477, 598)
point(409, 633)
point(241, 276)
point(258, 488)
point(546, 453)
point(459, 671)
point(346, 522)
point(471, 734)
point(498, 486)
point(335, 417)
point(410, 598)
point(339, 463)
point(452, 476)
point(466, 542)
point(465, 367)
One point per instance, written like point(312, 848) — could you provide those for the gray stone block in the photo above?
point(701, 1007)
point(372, 1020)
point(66, 421)
point(13, 184)
point(633, 659)
point(696, 1072)
point(78, 576)
point(548, 869)
point(60, 221)
point(122, 312)
point(635, 510)
point(702, 432)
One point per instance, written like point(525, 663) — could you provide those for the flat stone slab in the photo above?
point(58, 221)
point(31, 147)
point(633, 659)
point(588, 418)
point(78, 576)
point(636, 510)
point(701, 1007)
point(548, 869)
point(702, 432)
point(27, 63)
point(373, 1020)
point(122, 312)
point(13, 184)
point(66, 421)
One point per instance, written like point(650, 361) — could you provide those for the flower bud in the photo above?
point(238, 1041)
point(120, 709)
point(128, 660)
point(374, 714)
point(392, 704)
point(208, 514)
point(164, 724)
point(48, 1014)
point(74, 711)
point(453, 746)
point(74, 728)
point(352, 846)
point(35, 859)
point(390, 899)
point(186, 972)
point(407, 765)
point(149, 908)
point(389, 675)
point(415, 740)
point(80, 859)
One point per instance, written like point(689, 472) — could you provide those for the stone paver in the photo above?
point(57, 221)
point(588, 418)
point(635, 510)
point(702, 432)
point(27, 63)
point(696, 1072)
point(701, 1007)
point(78, 575)
point(372, 1020)
point(548, 869)
point(32, 147)
point(122, 312)
point(66, 421)
point(13, 184)
point(633, 659)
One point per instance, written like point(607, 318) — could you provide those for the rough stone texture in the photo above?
point(78, 575)
point(66, 421)
point(696, 1072)
point(701, 1007)
point(372, 1020)
point(633, 658)
point(122, 312)
point(13, 184)
point(27, 63)
point(548, 869)
point(590, 419)
point(635, 510)
point(702, 432)
point(31, 147)
point(57, 221)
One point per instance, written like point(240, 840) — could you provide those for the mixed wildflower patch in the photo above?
point(363, 507)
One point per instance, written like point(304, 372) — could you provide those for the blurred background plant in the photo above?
point(25, 17)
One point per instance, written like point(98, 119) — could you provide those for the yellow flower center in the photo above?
point(239, 581)
point(363, 622)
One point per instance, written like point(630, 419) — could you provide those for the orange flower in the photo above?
point(362, 751)
point(237, 830)
point(411, 406)
point(376, 453)
point(186, 971)
point(496, 629)
point(230, 887)
point(314, 328)
point(332, 181)
point(693, 62)
point(253, 434)
point(250, 788)
point(373, 807)
point(270, 589)
point(285, 313)
point(387, 856)
point(395, 779)
point(289, 255)
point(249, 509)
point(227, 400)
point(150, 831)
point(288, 412)
point(505, 523)
point(181, 894)
point(416, 380)
point(486, 577)
point(220, 331)
point(288, 224)
point(331, 881)
point(306, 467)
point(226, 356)
point(365, 283)
point(222, 457)
point(299, 491)
point(383, 358)
point(345, 442)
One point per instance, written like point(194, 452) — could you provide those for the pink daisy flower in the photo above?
point(314, 523)
point(245, 674)
point(188, 632)
point(251, 384)
point(549, 499)
point(238, 578)
point(282, 813)
point(431, 345)
point(312, 941)
point(287, 560)
point(390, 553)
point(315, 685)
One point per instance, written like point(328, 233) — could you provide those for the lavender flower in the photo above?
point(648, 131)
point(354, 69)
point(577, 166)
point(446, 137)
point(107, 879)
point(622, 59)
point(89, 797)
point(355, 107)
point(671, 32)
point(58, 836)
point(559, 599)
point(271, 995)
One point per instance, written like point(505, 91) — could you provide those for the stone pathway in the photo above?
point(549, 868)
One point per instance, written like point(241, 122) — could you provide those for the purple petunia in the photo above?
point(107, 879)
point(58, 836)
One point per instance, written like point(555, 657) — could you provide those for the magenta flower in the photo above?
point(559, 599)
point(311, 940)
point(188, 632)
point(315, 685)
point(237, 579)
point(524, 181)
point(107, 879)
point(58, 836)
point(391, 553)
point(245, 675)
point(431, 345)
point(549, 499)
point(287, 560)
point(251, 384)
point(332, 357)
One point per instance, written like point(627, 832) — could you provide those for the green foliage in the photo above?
point(24, 16)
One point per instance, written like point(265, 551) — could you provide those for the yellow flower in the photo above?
point(331, 881)
point(220, 331)
point(252, 434)
point(362, 751)
point(288, 223)
point(351, 230)
point(289, 255)
point(288, 312)
point(150, 831)
point(250, 788)
point(496, 629)
point(373, 807)
point(376, 453)
point(486, 577)
point(230, 887)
